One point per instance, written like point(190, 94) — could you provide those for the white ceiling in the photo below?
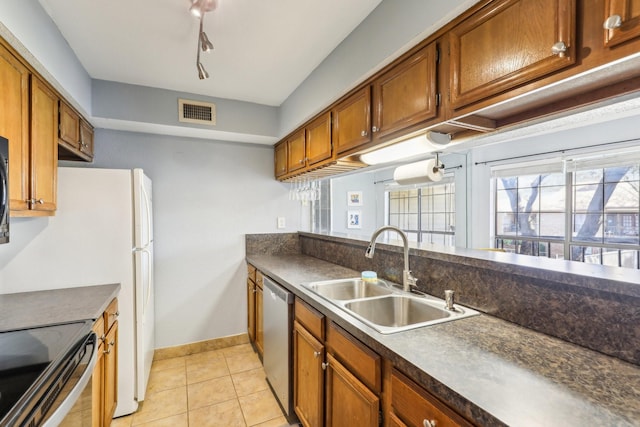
point(263, 49)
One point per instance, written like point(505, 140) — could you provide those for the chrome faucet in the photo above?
point(407, 278)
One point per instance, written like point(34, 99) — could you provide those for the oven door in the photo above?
point(73, 405)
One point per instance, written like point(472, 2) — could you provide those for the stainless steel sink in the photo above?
point(386, 308)
point(396, 313)
point(349, 289)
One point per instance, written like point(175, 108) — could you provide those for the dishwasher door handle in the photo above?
point(278, 292)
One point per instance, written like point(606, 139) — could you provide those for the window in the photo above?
point(588, 214)
point(426, 214)
point(321, 207)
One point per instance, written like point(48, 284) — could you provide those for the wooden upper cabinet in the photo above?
point(318, 139)
point(352, 121)
point(621, 21)
point(69, 128)
point(44, 148)
point(509, 43)
point(280, 156)
point(406, 94)
point(296, 154)
point(86, 139)
point(75, 135)
point(14, 125)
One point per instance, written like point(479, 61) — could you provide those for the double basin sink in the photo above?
point(384, 307)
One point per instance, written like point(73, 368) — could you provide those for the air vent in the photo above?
point(203, 113)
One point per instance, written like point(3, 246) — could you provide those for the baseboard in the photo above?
point(200, 346)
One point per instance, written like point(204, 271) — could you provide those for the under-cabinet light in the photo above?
point(421, 144)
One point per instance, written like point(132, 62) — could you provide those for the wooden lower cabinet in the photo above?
point(327, 392)
point(308, 378)
point(105, 373)
point(339, 381)
point(259, 340)
point(110, 374)
point(255, 329)
point(349, 401)
point(414, 406)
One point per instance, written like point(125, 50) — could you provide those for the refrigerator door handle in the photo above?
point(147, 209)
point(149, 272)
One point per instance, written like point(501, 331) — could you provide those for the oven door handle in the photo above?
point(61, 411)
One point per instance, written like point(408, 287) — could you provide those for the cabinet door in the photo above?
point(86, 138)
point(280, 155)
point(44, 147)
point(97, 390)
point(318, 139)
point(97, 379)
point(352, 121)
point(308, 377)
point(14, 125)
point(251, 310)
point(406, 94)
point(259, 324)
point(69, 127)
point(296, 152)
point(509, 43)
point(349, 402)
point(110, 374)
point(628, 25)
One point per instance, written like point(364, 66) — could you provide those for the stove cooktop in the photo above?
point(28, 357)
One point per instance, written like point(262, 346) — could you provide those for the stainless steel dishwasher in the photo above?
point(276, 358)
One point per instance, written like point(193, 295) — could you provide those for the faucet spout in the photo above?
point(407, 278)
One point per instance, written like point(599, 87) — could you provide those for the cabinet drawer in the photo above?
point(310, 318)
point(251, 272)
point(111, 315)
point(413, 404)
point(259, 279)
point(358, 358)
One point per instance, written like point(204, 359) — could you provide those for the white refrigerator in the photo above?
point(102, 233)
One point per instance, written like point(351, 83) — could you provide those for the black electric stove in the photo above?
point(31, 363)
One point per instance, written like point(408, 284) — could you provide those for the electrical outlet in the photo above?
point(281, 222)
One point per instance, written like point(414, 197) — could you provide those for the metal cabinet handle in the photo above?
point(325, 365)
point(559, 48)
point(34, 201)
point(363, 133)
point(316, 354)
point(612, 22)
point(429, 423)
point(109, 345)
point(374, 129)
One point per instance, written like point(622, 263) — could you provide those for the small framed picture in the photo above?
point(354, 198)
point(354, 219)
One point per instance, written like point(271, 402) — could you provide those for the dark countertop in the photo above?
point(29, 309)
point(489, 370)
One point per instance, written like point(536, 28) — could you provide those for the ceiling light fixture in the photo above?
point(199, 8)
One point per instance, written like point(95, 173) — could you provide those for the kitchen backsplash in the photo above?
point(600, 313)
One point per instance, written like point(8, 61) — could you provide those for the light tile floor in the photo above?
point(223, 388)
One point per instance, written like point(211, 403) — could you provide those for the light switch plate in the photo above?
point(281, 222)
